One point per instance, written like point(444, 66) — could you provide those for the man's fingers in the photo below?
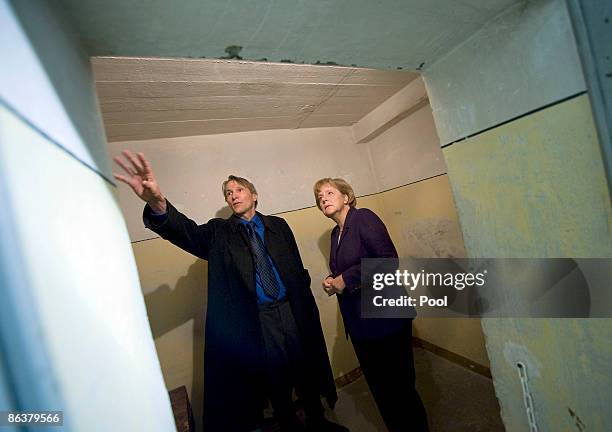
point(135, 162)
point(145, 163)
point(122, 178)
point(123, 165)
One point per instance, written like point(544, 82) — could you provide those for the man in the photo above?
point(263, 334)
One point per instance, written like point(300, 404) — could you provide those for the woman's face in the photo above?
point(331, 200)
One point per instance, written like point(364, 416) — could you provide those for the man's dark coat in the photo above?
point(233, 348)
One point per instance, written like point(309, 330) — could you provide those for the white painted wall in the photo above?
point(283, 165)
point(520, 61)
point(84, 286)
point(407, 152)
point(78, 316)
point(49, 81)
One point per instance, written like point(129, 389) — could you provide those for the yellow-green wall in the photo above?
point(423, 222)
point(536, 187)
point(174, 286)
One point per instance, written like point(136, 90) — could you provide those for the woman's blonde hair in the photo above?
point(340, 184)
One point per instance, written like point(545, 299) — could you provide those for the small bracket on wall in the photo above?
point(527, 397)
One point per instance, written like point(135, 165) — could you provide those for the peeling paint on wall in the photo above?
point(293, 29)
point(435, 238)
point(232, 52)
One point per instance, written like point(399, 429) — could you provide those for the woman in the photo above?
point(383, 346)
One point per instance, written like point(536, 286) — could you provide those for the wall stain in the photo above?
point(232, 52)
point(579, 424)
point(434, 237)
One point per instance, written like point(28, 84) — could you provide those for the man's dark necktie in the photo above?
point(268, 280)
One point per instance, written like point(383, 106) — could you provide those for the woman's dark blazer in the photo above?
point(364, 236)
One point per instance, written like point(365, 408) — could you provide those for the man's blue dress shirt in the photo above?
point(261, 296)
point(259, 228)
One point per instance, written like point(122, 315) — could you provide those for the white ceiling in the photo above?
point(198, 67)
point(177, 67)
point(382, 34)
point(147, 98)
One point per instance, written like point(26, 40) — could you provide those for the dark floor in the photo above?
point(456, 399)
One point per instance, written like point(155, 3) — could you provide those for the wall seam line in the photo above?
point(313, 206)
point(510, 120)
point(47, 137)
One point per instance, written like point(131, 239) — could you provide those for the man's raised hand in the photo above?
point(139, 176)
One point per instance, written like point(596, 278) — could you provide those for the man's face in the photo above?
point(240, 199)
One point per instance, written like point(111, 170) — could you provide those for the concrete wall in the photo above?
point(533, 187)
point(74, 332)
point(70, 112)
point(520, 61)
